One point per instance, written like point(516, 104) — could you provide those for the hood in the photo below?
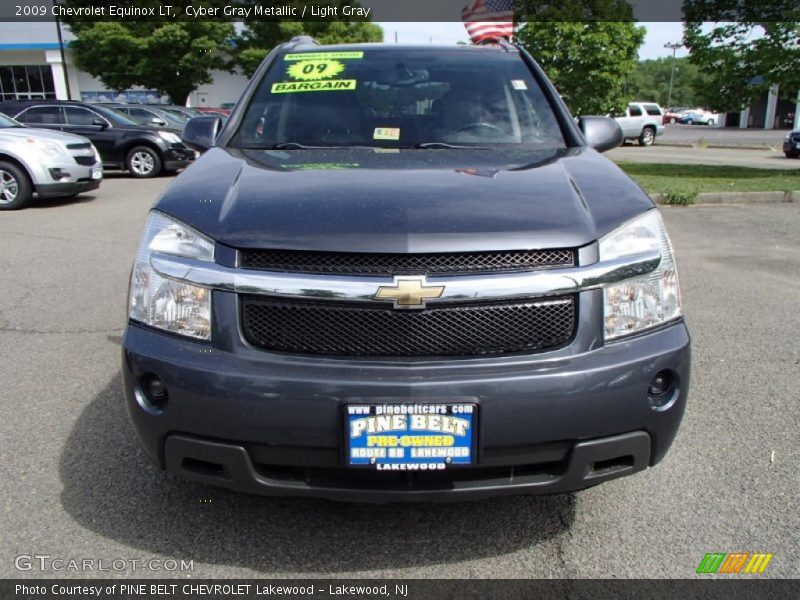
point(14, 133)
point(363, 200)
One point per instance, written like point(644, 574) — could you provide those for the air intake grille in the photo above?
point(358, 263)
point(346, 329)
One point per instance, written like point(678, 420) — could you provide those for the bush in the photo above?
point(678, 198)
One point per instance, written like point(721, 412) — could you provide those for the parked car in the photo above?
point(791, 144)
point(642, 121)
point(44, 164)
point(418, 279)
point(181, 110)
point(698, 117)
point(144, 114)
point(673, 115)
point(214, 111)
point(142, 150)
point(227, 106)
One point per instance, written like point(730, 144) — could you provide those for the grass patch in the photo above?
point(680, 180)
point(678, 198)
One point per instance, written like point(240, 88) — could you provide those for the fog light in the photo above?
point(155, 390)
point(660, 384)
point(58, 174)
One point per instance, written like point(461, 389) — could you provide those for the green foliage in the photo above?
point(744, 53)
point(650, 81)
point(678, 198)
point(589, 60)
point(171, 57)
point(259, 37)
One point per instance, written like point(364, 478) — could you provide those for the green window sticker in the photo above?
point(333, 85)
point(324, 56)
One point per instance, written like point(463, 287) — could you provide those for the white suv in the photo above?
point(49, 163)
point(642, 121)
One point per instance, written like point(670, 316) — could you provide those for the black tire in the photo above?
point(791, 154)
point(672, 120)
point(710, 122)
point(647, 137)
point(15, 187)
point(143, 162)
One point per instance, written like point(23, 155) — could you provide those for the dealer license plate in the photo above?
point(410, 437)
point(97, 172)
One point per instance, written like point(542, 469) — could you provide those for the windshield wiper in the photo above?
point(445, 145)
point(293, 146)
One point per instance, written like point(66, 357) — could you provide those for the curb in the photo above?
point(738, 198)
point(720, 146)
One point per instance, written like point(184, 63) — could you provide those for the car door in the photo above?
point(46, 117)
point(635, 121)
point(94, 126)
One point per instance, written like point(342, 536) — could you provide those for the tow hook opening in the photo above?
point(610, 465)
point(204, 467)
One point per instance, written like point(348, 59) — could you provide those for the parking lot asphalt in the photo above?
point(75, 484)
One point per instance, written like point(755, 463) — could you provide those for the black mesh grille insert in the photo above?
point(358, 263)
point(344, 329)
point(86, 161)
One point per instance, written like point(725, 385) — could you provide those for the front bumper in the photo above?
point(268, 423)
point(69, 188)
point(178, 156)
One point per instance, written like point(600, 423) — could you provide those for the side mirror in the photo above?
point(199, 133)
point(158, 121)
point(99, 123)
point(601, 133)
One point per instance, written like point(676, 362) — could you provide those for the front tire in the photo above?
point(710, 122)
point(791, 154)
point(15, 188)
point(672, 120)
point(143, 162)
point(647, 137)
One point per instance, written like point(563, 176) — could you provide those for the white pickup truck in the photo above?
point(642, 121)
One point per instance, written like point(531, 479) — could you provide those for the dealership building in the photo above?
point(33, 64)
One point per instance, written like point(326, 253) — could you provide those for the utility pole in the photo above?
point(61, 51)
point(674, 47)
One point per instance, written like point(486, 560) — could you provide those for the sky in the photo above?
point(658, 34)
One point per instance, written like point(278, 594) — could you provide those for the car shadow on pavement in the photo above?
point(57, 202)
point(111, 488)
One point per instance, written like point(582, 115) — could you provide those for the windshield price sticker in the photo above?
point(410, 437)
point(289, 87)
point(324, 56)
point(386, 133)
point(311, 70)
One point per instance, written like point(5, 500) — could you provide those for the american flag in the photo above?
point(489, 19)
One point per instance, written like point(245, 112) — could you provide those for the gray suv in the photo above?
point(44, 164)
point(404, 273)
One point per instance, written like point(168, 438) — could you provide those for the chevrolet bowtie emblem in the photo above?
point(409, 292)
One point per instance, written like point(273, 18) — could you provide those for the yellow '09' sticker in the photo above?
point(386, 133)
point(313, 70)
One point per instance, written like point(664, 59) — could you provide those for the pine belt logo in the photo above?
point(734, 562)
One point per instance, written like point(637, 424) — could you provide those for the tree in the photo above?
point(650, 81)
point(747, 50)
point(172, 57)
point(259, 37)
point(588, 48)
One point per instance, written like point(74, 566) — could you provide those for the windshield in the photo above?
point(6, 122)
point(399, 98)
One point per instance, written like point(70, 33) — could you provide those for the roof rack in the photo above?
point(499, 41)
point(302, 40)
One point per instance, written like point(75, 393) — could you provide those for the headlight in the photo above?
point(48, 149)
point(642, 302)
point(169, 137)
point(169, 305)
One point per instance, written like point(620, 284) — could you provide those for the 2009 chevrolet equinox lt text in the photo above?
point(404, 273)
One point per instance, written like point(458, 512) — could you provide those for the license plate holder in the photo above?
point(410, 436)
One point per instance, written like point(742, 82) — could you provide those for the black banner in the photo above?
point(394, 10)
point(397, 589)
